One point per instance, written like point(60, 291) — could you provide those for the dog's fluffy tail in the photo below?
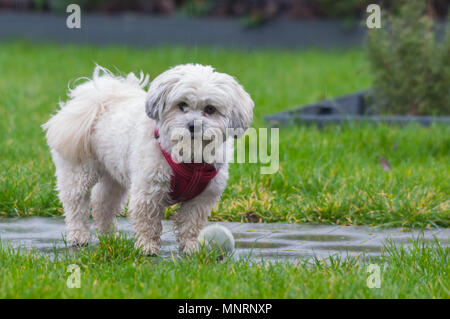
point(68, 131)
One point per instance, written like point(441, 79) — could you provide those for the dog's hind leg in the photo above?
point(74, 183)
point(108, 200)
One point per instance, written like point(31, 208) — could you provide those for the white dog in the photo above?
point(114, 138)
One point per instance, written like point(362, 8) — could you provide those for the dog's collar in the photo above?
point(188, 179)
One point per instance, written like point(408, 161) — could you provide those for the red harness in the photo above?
point(188, 179)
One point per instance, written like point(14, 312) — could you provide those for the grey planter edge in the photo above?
point(356, 107)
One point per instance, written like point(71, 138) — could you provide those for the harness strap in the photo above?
point(188, 180)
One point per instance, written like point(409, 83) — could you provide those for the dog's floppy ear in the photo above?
point(157, 95)
point(242, 110)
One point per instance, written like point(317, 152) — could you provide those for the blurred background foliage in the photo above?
point(410, 61)
point(259, 10)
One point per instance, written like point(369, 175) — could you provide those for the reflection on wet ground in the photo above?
point(258, 244)
point(287, 242)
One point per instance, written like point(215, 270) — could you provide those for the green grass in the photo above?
point(328, 176)
point(114, 269)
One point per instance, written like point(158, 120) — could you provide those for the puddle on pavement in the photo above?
point(427, 240)
point(350, 248)
point(313, 237)
point(279, 255)
point(258, 244)
point(263, 242)
point(246, 235)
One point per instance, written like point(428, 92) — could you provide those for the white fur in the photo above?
point(102, 140)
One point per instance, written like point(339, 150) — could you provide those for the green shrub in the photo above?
point(411, 66)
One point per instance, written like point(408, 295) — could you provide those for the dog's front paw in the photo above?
point(189, 247)
point(79, 237)
point(150, 248)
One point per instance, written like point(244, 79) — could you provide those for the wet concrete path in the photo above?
point(276, 241)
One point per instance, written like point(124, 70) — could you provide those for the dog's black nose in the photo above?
point(191, 127)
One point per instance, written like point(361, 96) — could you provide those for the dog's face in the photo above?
point(196, 100)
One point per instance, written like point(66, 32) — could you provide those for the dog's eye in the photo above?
point(209, 109)
point(182, 105)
